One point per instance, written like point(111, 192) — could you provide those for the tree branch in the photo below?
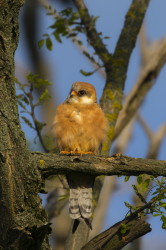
point(53, 164)
point(92, 34)
point(145, 82)
point(111, 100)
point(129, 33)
point(113, 238)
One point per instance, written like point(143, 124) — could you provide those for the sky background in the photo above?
point(64, 63)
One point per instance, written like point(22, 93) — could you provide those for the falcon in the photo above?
point(80, 127)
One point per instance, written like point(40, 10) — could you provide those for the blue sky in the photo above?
point(64, 63)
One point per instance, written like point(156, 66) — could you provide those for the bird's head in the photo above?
point(82, 93)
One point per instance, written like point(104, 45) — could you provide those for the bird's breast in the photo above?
point(76, 116)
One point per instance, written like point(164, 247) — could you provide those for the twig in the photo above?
point(145, 126)
point(32, 106)
point(92, 34)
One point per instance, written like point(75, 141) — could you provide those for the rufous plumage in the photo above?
point(80, 127)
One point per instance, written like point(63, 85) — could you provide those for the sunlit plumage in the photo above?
point(81, 127)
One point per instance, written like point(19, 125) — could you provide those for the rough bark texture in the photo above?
point(23, 223)
point(113, 238)
point(116, 71)
point(52, 164)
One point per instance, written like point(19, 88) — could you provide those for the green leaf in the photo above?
point(36, 81)
point(139, 194)
point(66, 12)
point(57, 37)
point(72, 35)
point(79, 42)
point(21, 104)
point(163, 205)
point(123, 228)
point(27, 122)
point(126, 178)
point(41, 43)
point(25, 99)
point(95, 18)
point(128, 205)
point(49, 44)
point(163, 218)
point(146, 184)
point(86, 73)
point(44, 97)
point(139, 179)
point(39, 125)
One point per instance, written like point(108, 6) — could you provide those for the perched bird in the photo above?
point(80, 127)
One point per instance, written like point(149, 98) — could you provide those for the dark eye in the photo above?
point(82, 92)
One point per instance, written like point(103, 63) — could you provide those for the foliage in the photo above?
point(157, 204)
point(67, 23)
point(28, 103)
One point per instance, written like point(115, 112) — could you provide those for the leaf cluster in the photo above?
point(157, 204)
point(67, 23)
point(27, 101)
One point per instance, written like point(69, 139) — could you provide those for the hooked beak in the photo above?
point(73, 93)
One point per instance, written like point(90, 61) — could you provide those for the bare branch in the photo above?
point(53, 164)
point(145, 82)
point(32, 106)
point(156, 141)
point(144, 46)
point(145, 127)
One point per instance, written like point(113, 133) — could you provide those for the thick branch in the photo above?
point(52, 164)
point(111, 100)
point(135, 227)
point(113, 239)
point(129, 33)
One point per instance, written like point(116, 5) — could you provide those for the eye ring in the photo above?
point(82, 93)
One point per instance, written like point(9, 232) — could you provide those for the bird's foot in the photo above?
point(63, 152)
point(75, 152)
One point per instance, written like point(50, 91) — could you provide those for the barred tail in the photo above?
point(80, 202)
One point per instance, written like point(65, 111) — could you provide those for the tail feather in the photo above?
point(85, 202)
point(80, 203)
point(73, 204)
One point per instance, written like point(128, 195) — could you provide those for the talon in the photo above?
point(65, 152)
point(75, 152)
point(88, 153)
point(82, 152)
